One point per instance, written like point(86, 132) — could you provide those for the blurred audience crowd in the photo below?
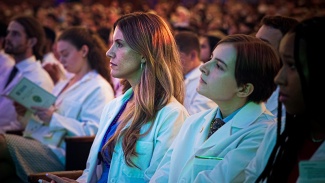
point(214, 17)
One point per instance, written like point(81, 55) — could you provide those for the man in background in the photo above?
point(50, 63)
point(6, 61)
point(271, 31)
point(189, 48)
point(24, 41)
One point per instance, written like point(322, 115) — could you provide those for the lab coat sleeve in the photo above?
point(83, 118)
point(257, 165)
point(162, 173)
point(170, 124)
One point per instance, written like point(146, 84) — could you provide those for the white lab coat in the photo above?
point(31, 69)
point(236, 142)
point(257, 165)
point(151, 147)
point(80, 107)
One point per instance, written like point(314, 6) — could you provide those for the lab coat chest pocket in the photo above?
point(144, 150)
point(201, 164)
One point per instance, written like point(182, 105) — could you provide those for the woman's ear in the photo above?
point(245, 90)
point(84, 50)
point(143, 60)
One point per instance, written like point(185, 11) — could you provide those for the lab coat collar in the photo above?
point(245, 117)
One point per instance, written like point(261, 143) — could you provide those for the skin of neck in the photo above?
point(227, 108)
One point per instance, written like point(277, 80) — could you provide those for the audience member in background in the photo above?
point(272, 30)
point(189, 49)
point(239, 78)
point(180, 18)
point(51, 21)
point(24, 41)
point(298, 149)
point(207, 44)
point(6, 61)
point(50, 63)
point(138, 127)
point(79, 104)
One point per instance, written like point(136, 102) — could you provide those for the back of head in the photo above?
point(80, 36)
point(149, 35)
point(283, 23)
point(308, 56)
point(33, 29)
point(256, 63)
point(187, 41)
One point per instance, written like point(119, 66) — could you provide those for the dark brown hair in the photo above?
point(79, 36)
point(33, 29)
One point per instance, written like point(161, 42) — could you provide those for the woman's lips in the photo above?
point(202, 81)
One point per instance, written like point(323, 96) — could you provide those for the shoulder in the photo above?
point(200, 118)
point(111, 107)
point(173, 106)
point(97, 81)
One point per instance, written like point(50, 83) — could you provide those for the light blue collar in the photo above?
point(228, 118)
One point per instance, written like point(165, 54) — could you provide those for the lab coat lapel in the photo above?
point(201, 137)
point(101, 133)
point(245, 117)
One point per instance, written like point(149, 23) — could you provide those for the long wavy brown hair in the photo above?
point(162, 79)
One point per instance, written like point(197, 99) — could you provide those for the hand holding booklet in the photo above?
point(29, 94)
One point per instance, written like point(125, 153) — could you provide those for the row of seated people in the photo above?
point(140, 138)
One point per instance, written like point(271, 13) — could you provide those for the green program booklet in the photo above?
point(29, 94)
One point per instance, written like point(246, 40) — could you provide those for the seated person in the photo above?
point(50, 62)
point(293, 150)
point(137, 128)
point(189, 49)
point(23, 41)
point(239, 78)
point(76, 112)
point(271, 31)
point(207, 43)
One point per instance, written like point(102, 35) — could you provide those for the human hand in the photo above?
point(56, 179)
point(54, 71)
point(20, 109)
point(44, 114)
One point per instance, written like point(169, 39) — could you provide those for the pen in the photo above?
point(208, 157)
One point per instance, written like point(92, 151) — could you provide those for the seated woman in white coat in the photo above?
point(239, 78)
point(294, 149)
point(76, 112)
point(138, 127)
